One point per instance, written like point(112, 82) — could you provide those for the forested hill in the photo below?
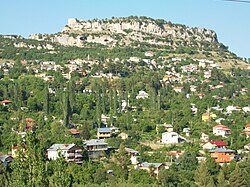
point(122, 38)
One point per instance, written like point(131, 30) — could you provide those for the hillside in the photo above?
point(106, 38)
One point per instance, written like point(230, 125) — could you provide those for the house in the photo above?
point(95, 148)
point(154, 167)
point(186, 131)
point(175, 154)
point(247, 130)
point(5, 159)
point(247, 146)
point(222, 155)
point(71, 152)
point(142, 95)
point(178, 89)
point(104, 119)
point(208, 116)
point(29, 124)
point(75, 133)
point(123, 136)
point(167, 127)
point(214, 144)
point(133, 155)
point(204, 137)
point(16, 150)
point(170, 137)
point(103, 133)
point(193, 88)
point(221, 130)
point(5, 102)
point(247, 127)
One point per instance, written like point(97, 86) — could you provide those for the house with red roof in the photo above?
point(247, 130)
point(221, 130)
point(214, 144)
point(5, 102)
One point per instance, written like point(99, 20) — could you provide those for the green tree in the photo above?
point(221, 181)
point(202, 176)
point(238, 177)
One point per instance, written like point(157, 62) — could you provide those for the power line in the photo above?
point(238, 1)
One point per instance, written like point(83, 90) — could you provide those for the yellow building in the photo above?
point(208, 116)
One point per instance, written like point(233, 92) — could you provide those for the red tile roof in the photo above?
point(218, 143)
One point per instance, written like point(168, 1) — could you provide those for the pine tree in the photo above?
point(238, 177)
point(221, 179)
point(46, 100)
point(66, 109)
point(202, 176)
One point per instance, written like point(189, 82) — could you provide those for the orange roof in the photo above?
point(5, 101)
point(28, 119)
point(74, 131)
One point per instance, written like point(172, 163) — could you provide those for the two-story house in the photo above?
point(222, 155)
point(95, 148)
point(170, 137)
point(71, 152)
point(103, 133)
point(221, 130)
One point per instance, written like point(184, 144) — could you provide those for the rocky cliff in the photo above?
point(125, 31)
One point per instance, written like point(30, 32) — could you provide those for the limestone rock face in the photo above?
point(126, 30)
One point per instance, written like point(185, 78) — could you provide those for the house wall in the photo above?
point(169, 138)
point(222, 157)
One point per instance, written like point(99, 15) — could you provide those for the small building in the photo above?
point(71, 152)
point(204, 137)
point(123, 136)
point(103, 133)
point(133, 155)
point(222, 155)
point(178, 89)
point(208, 116)
point(95, 148)
point(186, 131)
point(16, 150)
point(167, 127)
point(247, 146)
point(170, 137)
point(5, 102)
point(5, 159)
point(221, 130)
point(149, 167)
point(214, 144)
point(142, 95)
point(75, 133)
point(247, 127)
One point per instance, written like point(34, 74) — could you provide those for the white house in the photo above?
point(170, 137)
point(204, 137)
point(133, 155)
point(71, 152)
point(221, 130)
point(142, 95)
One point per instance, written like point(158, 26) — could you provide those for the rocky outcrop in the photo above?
point(123, 31)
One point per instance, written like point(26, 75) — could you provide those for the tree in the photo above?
point(122, 156)
point(202, 176)
point(46, 100)
point(238, 177)
point(222, 182)
point(66, 109)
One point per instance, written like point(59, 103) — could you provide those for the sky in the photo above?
point(230, 20)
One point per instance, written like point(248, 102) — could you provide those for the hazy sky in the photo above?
point(230, 20)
